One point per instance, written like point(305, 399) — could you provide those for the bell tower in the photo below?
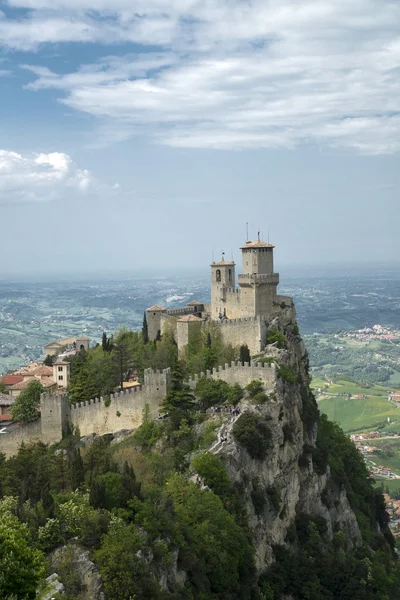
point(223, 280)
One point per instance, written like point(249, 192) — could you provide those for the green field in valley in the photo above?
point(356, 414)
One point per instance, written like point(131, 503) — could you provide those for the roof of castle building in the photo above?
point(256, 244)
point(188, 319)
point(195, 303)
point(42, 370)
point(46, 382)
point(220, 263)
point(156, 307)
point(61, 362)
point(11, 379)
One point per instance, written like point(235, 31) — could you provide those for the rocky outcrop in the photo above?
point(284, 484)
point(73, 562)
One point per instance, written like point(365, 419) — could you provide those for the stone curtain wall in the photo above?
point(11, 441)
point(243, 331)
point(125, 410)
point(91, 416)
point(236, 372)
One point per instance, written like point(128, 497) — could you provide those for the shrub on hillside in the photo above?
point(211, 469)
point(260, 398)
point(254, 387)
point(211, 392)
point(252, 433)
point(274, 336)
point(286, 374)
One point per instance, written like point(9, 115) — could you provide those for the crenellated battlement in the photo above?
point(187, 310)
point(237, 372)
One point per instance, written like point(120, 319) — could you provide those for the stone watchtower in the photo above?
point(223, 280)
point(258, 282)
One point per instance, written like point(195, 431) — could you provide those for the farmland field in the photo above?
point(356, 414)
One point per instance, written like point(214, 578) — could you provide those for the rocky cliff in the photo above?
point(285, 483)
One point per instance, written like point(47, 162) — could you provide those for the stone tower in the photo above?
point(223, 280)
point(258, 282)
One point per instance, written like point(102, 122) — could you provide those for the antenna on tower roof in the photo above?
point(258, 235)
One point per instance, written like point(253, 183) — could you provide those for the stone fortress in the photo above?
point(243, 314)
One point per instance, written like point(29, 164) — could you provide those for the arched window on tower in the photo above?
point(230, 274)
point(218, 275)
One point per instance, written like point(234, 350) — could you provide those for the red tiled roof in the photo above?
point(188, 319)
point(46, 382)
point(156, 307)
point(11, 379)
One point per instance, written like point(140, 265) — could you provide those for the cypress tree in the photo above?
point(145, 329)
point(244, 354)
point(77, 470)
point(104, 342)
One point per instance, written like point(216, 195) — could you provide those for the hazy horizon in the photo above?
point(291, 271)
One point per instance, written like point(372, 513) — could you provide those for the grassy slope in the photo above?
point(357, 414)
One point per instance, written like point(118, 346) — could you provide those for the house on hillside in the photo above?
point(51, 378)
point(5, 403)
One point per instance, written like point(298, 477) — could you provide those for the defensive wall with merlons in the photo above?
point(125, 409)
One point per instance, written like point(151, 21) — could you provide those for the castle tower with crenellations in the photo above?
point(242, 310)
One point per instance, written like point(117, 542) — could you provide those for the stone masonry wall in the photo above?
point(12, 440)
point(125, 410)
point(91, 416)
point(242, 374)
point(243, 331)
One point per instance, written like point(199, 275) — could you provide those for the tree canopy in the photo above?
point(26, 406)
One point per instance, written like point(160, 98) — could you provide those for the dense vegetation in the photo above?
point(160, 507)
point(134, 504)
point(101, 370)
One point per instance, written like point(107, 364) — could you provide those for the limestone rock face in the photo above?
point(78, 562)
point(286, 477)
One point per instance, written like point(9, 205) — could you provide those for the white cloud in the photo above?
point(235, 74)
point(39, 177)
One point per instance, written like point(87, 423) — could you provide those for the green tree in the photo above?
point(254, 387)
point(49, 360)
point(106, 343)
point(145, 329)
point(77, 470)
point(3, 388)
point(26, 406)
point(124, 573)
point(275, 337)
point(244, 354)
point(22, 567)
point(210, 467)
point(253, 433)
point(211, 392)
point(179, 396)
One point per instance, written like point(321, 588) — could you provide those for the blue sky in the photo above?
point(146, 135)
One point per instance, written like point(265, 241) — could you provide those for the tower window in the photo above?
point(218, 275)
point(230, 274)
